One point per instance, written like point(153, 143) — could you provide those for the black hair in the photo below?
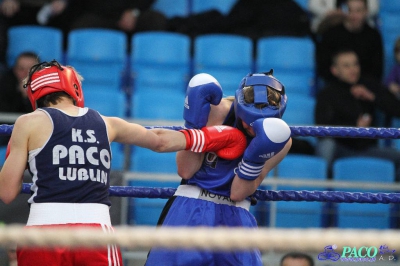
point(52, 98)
point(28, 54)
point(298, 255)
point(340, 52)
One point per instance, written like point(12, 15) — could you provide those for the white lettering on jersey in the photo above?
point(59, 152)
point(76, 155)
point(76, 135)
point(89, 155)
point(92, 138)
point(82, 174)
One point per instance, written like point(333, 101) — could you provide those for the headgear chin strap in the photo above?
point(48, 77)
point(248, 112)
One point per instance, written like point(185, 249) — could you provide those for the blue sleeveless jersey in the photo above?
point(216, 174)
point(74, 165)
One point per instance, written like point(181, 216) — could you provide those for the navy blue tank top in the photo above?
point(216, 174)
point(74, 164)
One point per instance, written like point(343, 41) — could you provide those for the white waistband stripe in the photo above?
point(64, 213)
point(198, 193)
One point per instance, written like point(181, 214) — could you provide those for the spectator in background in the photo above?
point(129, 16)
point(13, 97)
point(12, 256)
point(261, 18)
point(393, 79)
point(23, 12)
point(351, 100)
point(354, 33)
point(296, 259)
point(328, 13)
point(251, 18)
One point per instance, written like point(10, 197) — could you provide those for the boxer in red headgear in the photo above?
point(67, 149)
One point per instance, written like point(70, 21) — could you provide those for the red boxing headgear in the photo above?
point(53, 77)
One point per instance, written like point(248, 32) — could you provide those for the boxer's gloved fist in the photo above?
point(203, 90)
point(227, 142)
point(272, 134)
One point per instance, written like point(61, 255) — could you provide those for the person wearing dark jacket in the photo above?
point(351, 100)
point(250, 18)
point(354, 33)
point(128, 16)
point(13, 97)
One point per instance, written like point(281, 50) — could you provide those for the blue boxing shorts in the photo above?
point(197, 207)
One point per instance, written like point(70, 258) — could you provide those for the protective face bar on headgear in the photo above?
point(247, 111)
point(49, 77)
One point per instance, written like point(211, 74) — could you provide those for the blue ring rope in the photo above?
point(303, 131)
point(262, 195)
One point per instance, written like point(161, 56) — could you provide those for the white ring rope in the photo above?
point(199, 238)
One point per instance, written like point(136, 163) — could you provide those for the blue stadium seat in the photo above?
point(363, 169)
point(46, 42)
point(215, 54)
point(288, 55)
point(301, 214)
point(160, 60)
point(390, 31)
point(155, 104)
point(299, 83)
point(299, 110)
point(303, 4)
point(3, 150)
point(390, 6)
point(107, 102)
point(144, 211)
point(118, 156)
point(172, 8)
point(223, 6)
point(99, 55)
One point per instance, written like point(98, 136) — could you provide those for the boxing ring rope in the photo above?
point(263, 195)
point(220, 238)
point(225, 238)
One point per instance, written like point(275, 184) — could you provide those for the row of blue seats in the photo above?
point(292, 213)
point(164, 58)
point(100, 55)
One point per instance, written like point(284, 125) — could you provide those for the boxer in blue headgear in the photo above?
point(216, 191)
point(263, 86)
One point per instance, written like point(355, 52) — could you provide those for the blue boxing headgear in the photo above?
point(248, 112)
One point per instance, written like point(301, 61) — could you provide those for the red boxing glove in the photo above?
point(227, 142)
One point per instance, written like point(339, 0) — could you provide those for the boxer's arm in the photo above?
point(159, 140)
point(272, 137)
point(188, 163)
point(225, 141)
point(12, 172)
point(242, 188)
